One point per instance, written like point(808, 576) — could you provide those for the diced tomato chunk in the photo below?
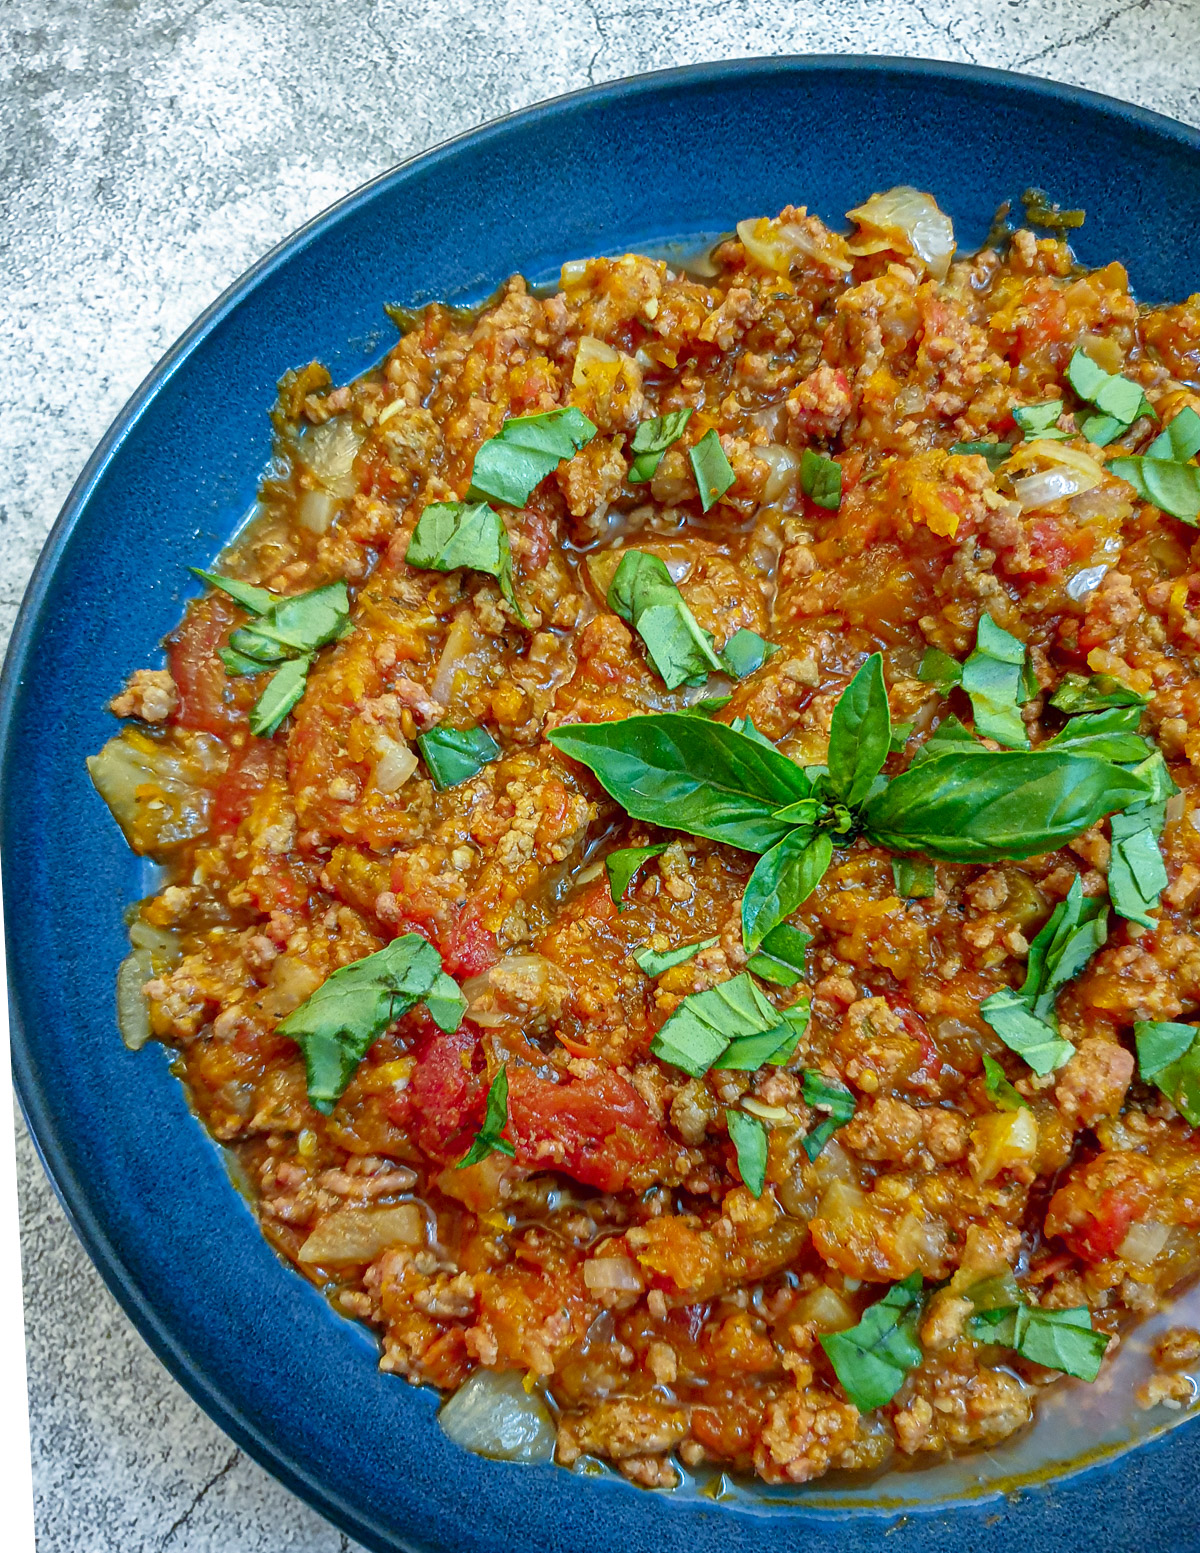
point(206, 698)
point(447, 1092)
point(1099, 1201)
point(249, 771)
point(595, 1129)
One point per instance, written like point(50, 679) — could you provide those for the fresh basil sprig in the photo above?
point(730, 1025)
point(1025, 1020)
point(284, 634)
point(1058, 1339)
point(470, 535)
point(997, 677)
point(872, 1359)
point(749, 1138)
point(713, 471)
point(489, 1139)
point(651, 440)
point(455, 755)
point(621, 865)
point(1119, 401)
point(653, 964)
point(1169, 1058)
point(644, 595)
point(350, 1010)
point(824, 1095)
point(510, 466)
point(859, 735)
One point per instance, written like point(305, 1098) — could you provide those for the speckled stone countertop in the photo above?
point(152, 149)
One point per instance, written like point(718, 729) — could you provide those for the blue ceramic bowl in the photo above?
point(676, 157)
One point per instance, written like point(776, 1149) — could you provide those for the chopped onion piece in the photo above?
point(1143, 1242)
point(395, 765)
point(329, 452)
point(493, 1415)
point(909, 222)
point(133, 1016)
point(315, 511)
point(1085, 581)
point(784, 464)
point(1001, 1140)
point(596, 365)
point(360, 1234)
point(616, 1274)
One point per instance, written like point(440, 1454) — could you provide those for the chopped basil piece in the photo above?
point(1119, 401)
point(489, 1139)
point(780, 957)
point(714, 1028)
point(859, 734)
point(940, 669)
point(994, 677)
point(693, 775)
point(824, 1095)
point(999, 1089)
point(1173, 488)
point(1058, 1339)
point(774, 1047)
point(452, 534)
point(644, 595)
point(996, 453)
point(237, 665)
point(1169, 1058)
point(950, 737)
point(901, 734)
point(622, 864)
point(1092, 693)
point(1041, 211)
point(350, 1010)
point(511, 465)
point(821, 479)
point(1024, 1033)
point(280, 694)
point(255, 601)
point(1180, 440)
point(1137, 875)
point(707, 706)
point(651, 440)
point(915, 878)
point(782, 880)
point(995, 1293)
point(713, 471)
point(1111, 734)
point(652, 964)
point(749, 1138)
point(745, 652)
point(455, 755)
point(1039, 422)
point(872, 1359)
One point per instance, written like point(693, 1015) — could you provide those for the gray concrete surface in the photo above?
point(151, 150)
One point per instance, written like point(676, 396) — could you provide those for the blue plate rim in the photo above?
point(269, 1453)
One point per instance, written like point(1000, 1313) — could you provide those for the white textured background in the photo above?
point(150, 150)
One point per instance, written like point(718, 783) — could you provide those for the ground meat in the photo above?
point(149, 695)
point(1094, 1082)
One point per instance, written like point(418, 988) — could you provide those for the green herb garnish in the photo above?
point(859, 734)
point(824, 1095)
point(643, 594)
point(730, 1025)
point(1092, 693)
point(350, 1010)
point(821, 479)
point(281, 693)
point(780, 957)
point(1040, 210)
point(1111, 734)
point(996, 453)
point(996, 678)
point(511, 465)
point(1059, 1339)
point(653, 964)
point(1169, 1058)
point(255, 601)
point(651, 440)
point(452, 534)
point(872, 1359)
point(713, 471)
point(999, 1090)
point(489, 1139)
point(1164, 475)
point(749, 1138)
point(783, 879)
point(455, 755)
point(745, 652)
point(622, 864)
point(1119, 401)
point(914, 877)
point(1039, 422)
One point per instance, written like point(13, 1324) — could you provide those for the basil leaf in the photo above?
point(994, 678)
point(744, 725)
point(872, 1359)
point(713, 471)
point(488, 1139)
point(644, 596)
point(995, 1293)
point(455, 755)
point(969, 806)
point(745, 652)
point(707, 706)
point(860, 734)
point(1024, 1033)
point(950, 737)
point(1173, 488)
point(301, 623)
point(782, 880)
point(1074, 931)
point(280, 694)
point(749, 1138)
point(622, 864)
point(940, 669)
point(651, 440)
point(255, 601)
point(237, 665)
point(999, 1089)
point(915, 878)
point(995, 452)
point(824, 1095)
point(748, 1053)
point(1092, 693)
point(452, 534)
point(511, 465)
point(653, 964)
point(1137, 875)
point(1120, 401)
point(340, 1022)
point(821, 479)
point(1169, 1057)
point(730, 1025)
point(1039, 422)
point(693, 775)
point(1180, 440)
point(901, 734)
point(780, 958)
point(1111, 734)
point(1059, 1339)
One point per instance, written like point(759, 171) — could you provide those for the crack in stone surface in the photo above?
point(1102, 25)
point(200, 1496)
